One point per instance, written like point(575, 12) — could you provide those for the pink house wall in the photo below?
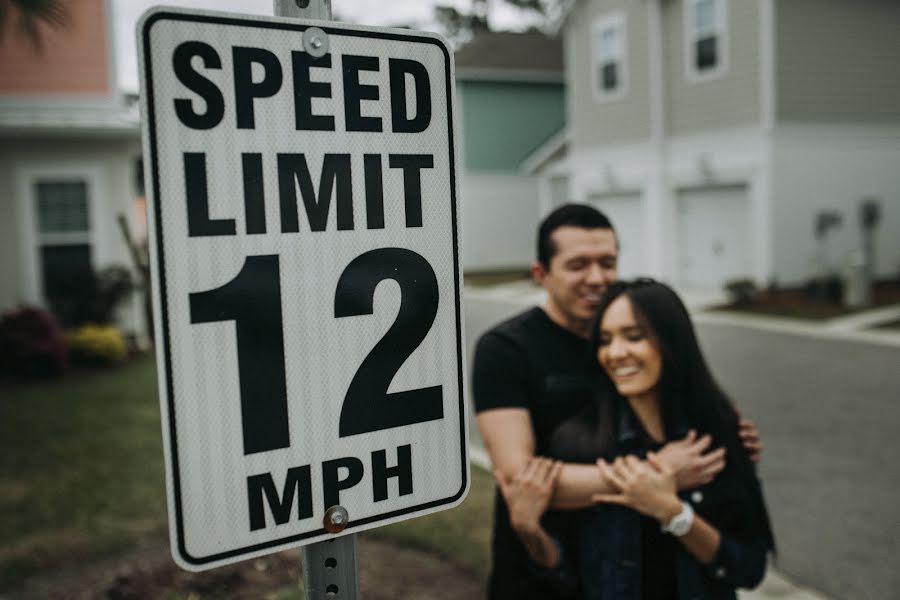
point(73, 61)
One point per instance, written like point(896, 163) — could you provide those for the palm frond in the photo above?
point(30, 13)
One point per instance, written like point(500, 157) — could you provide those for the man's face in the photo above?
point(583, 265)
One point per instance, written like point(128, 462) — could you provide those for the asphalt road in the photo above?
point(829, 413)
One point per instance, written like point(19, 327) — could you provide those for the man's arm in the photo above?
point(509, 440)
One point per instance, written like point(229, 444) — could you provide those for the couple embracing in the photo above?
point(623, 470)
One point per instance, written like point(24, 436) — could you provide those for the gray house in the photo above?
point(716, 132)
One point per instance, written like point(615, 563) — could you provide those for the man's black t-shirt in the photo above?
point(528, 362)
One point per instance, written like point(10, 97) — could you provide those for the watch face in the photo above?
point(681, 523)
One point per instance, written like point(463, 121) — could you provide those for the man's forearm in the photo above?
point(576, 486)
point(540, 546)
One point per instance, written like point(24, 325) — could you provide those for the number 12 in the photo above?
point(253, 301)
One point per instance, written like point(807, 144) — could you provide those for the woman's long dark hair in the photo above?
point(686, 387)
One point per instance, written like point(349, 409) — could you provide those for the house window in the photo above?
point(705, 38)
point(63, 236)
point(608, 51)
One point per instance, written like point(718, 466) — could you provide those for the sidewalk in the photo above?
point(856, 327)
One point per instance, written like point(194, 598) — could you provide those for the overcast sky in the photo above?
point(365, 12)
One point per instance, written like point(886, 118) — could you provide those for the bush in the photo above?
point(96, 345)
point(82, 301)
point(31, 344)
point(741, 292)
point(829, 288)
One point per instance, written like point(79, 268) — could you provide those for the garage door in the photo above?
point(714, 236)
point(627, 216)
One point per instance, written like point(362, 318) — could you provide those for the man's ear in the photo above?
point(538, 272)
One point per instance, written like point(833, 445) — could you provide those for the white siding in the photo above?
point(107, 165)
point(500, 214)
point(626, 212)
point(817, 169)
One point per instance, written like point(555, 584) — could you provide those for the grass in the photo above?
point(81, 469)
point(495, 277)
point(462, 535)
point(82, 478)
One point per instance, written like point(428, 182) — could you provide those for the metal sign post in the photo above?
point(330, 569)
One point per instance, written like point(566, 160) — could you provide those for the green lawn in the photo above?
point(81, 468)
point(82, 477)
point(462, 534)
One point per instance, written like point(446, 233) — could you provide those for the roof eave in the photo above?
point(517, 75)
point(557, 24)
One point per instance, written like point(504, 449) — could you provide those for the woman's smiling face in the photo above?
point(627, 351)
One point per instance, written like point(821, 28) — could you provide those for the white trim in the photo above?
point(559, 22)
point(657, 74)
point(617, 20)
point(519, 75)
point(764, 182)
point(767, 56)
point(539, 156)
point(722, 47)
point(26, 174)
point(111, 59)
point(657, 193)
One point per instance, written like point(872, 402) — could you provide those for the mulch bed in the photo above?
point(386, 572)
point(799, 303)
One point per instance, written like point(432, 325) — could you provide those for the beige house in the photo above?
point(69, 146)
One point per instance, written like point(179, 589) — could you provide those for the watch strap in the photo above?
point(680, 523)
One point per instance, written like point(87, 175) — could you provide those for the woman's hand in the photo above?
point(528, 494)
point(689, 461)
point(647, 487)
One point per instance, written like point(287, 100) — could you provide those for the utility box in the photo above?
point(857, 284)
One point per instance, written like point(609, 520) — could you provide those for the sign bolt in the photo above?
point(315, 42)
point(336, 519)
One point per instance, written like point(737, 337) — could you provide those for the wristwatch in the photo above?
point(680, 523)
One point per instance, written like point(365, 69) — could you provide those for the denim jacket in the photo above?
point(604, 552)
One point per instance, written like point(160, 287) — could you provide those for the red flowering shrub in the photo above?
point(31, 344)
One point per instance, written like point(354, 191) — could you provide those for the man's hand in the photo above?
point(749, 435)
point(686, 459)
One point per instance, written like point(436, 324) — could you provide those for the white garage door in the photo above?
point(627, 215)
point(714, 236)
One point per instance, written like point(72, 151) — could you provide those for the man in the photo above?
point(531, 373)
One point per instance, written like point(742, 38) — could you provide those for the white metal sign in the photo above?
point(303, 214)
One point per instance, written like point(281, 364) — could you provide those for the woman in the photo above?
point(646, 541)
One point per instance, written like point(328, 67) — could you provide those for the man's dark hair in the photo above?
point(572, 215)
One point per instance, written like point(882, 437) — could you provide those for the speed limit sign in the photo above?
point(303, 194)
